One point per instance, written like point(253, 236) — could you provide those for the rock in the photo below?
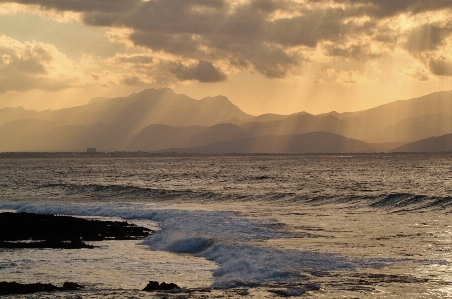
point(72, 286)
point(46, 244)
point(152, 286)
point(62, 231)
point(295, 292)
point(8, 288)
point(155, 286)
point(168, 286)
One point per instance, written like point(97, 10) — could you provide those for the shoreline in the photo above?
point(140, 154)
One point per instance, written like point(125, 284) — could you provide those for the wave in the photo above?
point(120, 191)
point(223, 237)
point(412, 202)
point(394, 202)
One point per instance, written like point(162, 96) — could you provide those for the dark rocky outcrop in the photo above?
point(46, 244)
point(28, 230)
point(155, 286)
point(72, 286)
point(10, 288)
point(296, 291)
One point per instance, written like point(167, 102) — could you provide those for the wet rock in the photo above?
point(64, 232)
point(11, 288)
point(298, 291)
point(46, 244)
point(8, 288)
point(155, 286)
point(72, 286)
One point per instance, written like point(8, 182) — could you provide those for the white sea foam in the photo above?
point(222, 237)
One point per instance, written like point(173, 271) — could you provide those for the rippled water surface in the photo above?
point(376, 226)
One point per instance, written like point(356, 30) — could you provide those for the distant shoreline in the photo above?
point(142, 154)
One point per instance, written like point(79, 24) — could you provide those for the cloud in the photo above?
point(135, 59)
point(202, 71)
point(441, 66)
point(426, 38)
point(205, 30)
point(272, 37)
point(418, 73)
point(83, 5)
point(34, 65)
point(388, 8)
point(184, 45)
point(356, 51)
point(133, 81)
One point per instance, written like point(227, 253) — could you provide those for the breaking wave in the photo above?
point(395, 202)
point(120, 191)
point(223, 237)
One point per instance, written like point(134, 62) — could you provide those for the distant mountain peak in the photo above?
point(216, 98)
point(158, 118)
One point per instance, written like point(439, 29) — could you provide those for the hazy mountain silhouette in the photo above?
point(138, 110)
point(400, 121)
point(157, 119)
point(11, 114)
point(158, 137)
point(312, 142)
point(262, 118)
point(432, 144)
point(415, 128)
point(297, 124)
point(404, 120)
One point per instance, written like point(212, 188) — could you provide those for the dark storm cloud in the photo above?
point(163, 16)
point(179, 44)
point(248, 35)
point(82, 5)
point(387, 8)
point(310, 28)
point(202, 71)
point(440, 67)
point(426, 38)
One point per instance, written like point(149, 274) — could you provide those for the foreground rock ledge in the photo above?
point(10, 288)
point(28, 230)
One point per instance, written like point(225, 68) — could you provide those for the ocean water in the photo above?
point(364, 226)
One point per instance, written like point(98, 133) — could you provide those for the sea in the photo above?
point(320, 226)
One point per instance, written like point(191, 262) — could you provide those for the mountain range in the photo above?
point(161, 120)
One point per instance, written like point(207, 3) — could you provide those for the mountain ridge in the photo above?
point(441, 143)
point(157, 119)
point(306, 143)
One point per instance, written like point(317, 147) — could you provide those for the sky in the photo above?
point(266, 56)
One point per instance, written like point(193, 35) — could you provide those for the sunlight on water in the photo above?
point(367, 227)
point(113, 265)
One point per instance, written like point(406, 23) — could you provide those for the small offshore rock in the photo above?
point(9, 288)
point(295, 292)
point(72, 286)
point(155, 286)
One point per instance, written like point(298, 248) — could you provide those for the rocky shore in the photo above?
point(11, 288)
point(28, 230)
